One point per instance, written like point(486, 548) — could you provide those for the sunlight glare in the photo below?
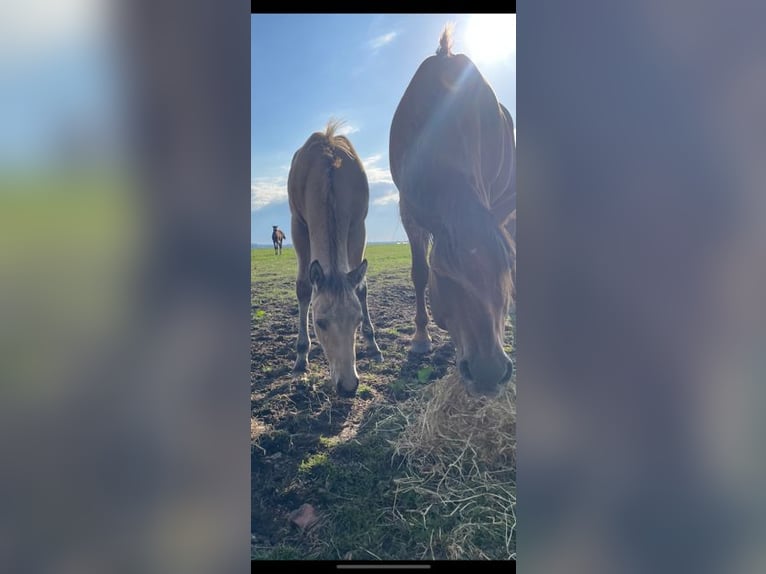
point(491, 38)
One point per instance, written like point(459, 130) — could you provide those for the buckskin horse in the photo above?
point(452, 156)
point(277, 237)
point(329, 194)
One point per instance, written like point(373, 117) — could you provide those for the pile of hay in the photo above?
point(459, 452)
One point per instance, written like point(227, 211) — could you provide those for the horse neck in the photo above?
point(331, 252)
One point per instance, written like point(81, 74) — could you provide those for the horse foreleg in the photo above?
point(367, 329)
point(303, 291)
point(303, 346)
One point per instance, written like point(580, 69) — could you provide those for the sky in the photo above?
point(58, 81)
point(355, 67)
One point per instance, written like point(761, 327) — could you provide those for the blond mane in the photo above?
point(445, 40)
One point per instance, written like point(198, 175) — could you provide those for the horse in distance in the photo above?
point(452, 157)
point(277, 237)
point(328, 194)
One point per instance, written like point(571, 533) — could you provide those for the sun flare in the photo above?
point(491, 38)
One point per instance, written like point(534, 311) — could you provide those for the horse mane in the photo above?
point(445, 40)
point(336, 141)
point(474, 221)
point(463, 224)
point(333, 148)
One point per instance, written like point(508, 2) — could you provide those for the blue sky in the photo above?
point(308, 68)
point(58, 81)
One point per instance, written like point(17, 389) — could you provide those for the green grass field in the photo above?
point(311, 447)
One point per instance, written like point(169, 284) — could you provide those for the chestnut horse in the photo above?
point(329, 197)
point(452, 154)
point(277, 237)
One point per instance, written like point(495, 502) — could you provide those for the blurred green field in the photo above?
point(68, 242)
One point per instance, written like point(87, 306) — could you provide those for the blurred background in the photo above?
point(124, 286)
point(641, 273)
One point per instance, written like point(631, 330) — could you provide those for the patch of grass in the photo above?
point(329, 441)
point(259, 314)
point(424, 374)
point(313, 462)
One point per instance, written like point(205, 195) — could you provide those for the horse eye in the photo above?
point(322, 324)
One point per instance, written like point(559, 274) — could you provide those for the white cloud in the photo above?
point(36, 27)
point(379, 41)
point(265, 191)
point(390, 197)
point(381, 178)
point(376, 174)
point(347, 129)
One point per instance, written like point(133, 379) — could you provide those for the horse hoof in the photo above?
point(421, 347)
point(300, 368)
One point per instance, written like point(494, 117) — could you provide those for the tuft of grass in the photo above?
point(329, 441)
point(424, 374)
point(314, 462)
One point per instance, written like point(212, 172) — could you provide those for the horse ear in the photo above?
point(356, 276)
point(316, 274)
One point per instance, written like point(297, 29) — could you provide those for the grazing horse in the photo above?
point(277, 237)
point(452, 155)
point(329, 196)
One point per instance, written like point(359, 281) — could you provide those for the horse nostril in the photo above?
point(508, 373)
point(464, 370)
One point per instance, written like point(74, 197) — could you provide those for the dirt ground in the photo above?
point(310, 446)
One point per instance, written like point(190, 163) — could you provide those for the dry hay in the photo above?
point(459, 451)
